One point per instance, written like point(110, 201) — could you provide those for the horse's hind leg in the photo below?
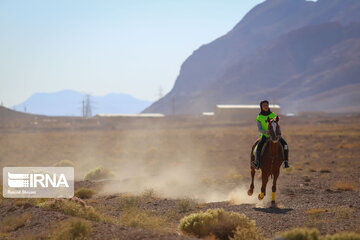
point(276, 175)
point(251, 189)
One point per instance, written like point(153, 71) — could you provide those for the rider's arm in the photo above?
point(260, 127)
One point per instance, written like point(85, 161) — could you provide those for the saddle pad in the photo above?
point(264, 147)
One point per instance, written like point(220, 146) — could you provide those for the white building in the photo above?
point(240, 112)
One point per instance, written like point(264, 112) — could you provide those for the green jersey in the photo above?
point(264, 125)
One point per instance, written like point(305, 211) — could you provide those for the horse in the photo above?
point(271, 160)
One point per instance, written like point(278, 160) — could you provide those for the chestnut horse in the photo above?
point(271, 160)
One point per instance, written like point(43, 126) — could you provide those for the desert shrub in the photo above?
point(186, 205)
point(137, 218)
point(127, 202)
point(25, 202)
point(172, 215)
point(301, 234)
point(252, 233)
point(343, 236)
point(343, 212)
point(84, 193)
point(72, 229)
point(217, 222)
point(12, 223)
point(64, 163)
point(76, 209)
point(149, 193)
point(98, 174)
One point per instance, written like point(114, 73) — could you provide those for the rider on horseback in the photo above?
point(264, 133)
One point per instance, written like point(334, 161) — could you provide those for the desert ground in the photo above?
point(163, 171)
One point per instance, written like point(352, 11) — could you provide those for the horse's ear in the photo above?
point(268, 119)
point(277, 119)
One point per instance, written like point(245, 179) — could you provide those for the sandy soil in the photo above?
point(207, 164)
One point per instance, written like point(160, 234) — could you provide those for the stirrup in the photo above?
point(286, 164)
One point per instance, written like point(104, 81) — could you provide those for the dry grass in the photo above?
point(99, 173)
point(343, 212)
point(84, 193)
point(186, 205)
point(347, 145)
point(126, 202)
point(301, 234)
point(344, 186)
point(77, 209)
point(316, 211)
point(137, 218)
point(13, 223)
point(220, 223)
point(72, 229)
point(342, 236)
point(25, 202)
point(149, 194)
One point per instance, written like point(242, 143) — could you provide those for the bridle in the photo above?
point(273, 129)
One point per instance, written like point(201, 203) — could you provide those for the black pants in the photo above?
point(282, 142)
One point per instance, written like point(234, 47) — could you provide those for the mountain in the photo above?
point(69, 103)
point(271, 53)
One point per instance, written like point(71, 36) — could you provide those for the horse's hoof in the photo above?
point(273, 204)
point(250, 192)
point(261, 196)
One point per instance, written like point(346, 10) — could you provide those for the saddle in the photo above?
point(254, 148)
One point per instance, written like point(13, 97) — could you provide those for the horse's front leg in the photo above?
point(265, 177)
point(276, 175)
point(251, 189)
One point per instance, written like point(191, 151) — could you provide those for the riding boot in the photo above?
point(257, 159)
point(286, 158)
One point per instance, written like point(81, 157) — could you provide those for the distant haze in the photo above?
point(70, 103)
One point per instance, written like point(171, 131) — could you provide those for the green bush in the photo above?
point(343, 236)
point(73, 229)
point(217, 222)
point(301, 234)
point(84, 193)
point(98, 174)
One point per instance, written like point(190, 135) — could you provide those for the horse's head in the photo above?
point(274, 129)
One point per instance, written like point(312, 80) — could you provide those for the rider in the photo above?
point(264, 133)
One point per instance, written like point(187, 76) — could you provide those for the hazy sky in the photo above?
point(101, 47)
